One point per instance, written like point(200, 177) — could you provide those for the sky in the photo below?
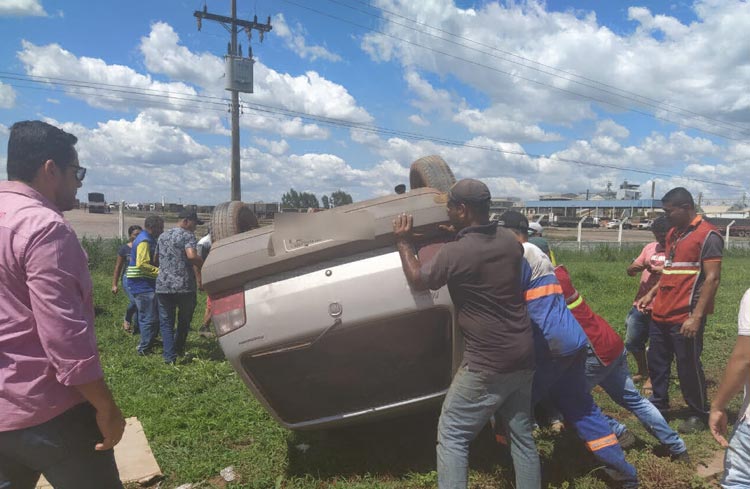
point(530, 97)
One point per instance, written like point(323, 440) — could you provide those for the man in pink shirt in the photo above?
point(649, 263)
point(58, 417)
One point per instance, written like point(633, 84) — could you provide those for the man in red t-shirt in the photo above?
point(650, 263)
point(607, 366)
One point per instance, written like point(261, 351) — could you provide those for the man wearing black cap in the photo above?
point(561, 347)
point(482, 269)
point(176, 283)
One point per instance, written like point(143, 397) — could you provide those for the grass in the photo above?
point(199, 418)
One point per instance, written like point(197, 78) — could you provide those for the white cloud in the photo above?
point(7, 96)
point(22, 8)
point(418, 120)
point(274, 147)
point(499, 127)
point(429, 99)
point(609, 127)
point(294, 38)
point(701, 66)
point(143, 91)
point(309, 93)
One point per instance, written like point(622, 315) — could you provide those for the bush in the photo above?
point(101, 252)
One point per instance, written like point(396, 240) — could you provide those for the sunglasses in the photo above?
point(80, 173)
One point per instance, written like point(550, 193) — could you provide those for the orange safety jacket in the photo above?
point(682, 273)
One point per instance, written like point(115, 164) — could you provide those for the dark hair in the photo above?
point(479, 209)
point(133, 228)
point(678, 196)
point(152, 221)
point(660, 225)
point(32, 143)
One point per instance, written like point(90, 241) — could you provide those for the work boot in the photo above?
point(626, 440)
point(683, 458)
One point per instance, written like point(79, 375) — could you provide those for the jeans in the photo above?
point(472, 399)
point(148, 320)
point(132, 309)
point(63, 450)
point(636, 335)
point(737, 458)
point(667, 343)
point(616, 382)
point(182, 306)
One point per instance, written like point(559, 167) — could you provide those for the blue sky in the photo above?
point(531, 97)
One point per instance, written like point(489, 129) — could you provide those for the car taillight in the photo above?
point(228, 311)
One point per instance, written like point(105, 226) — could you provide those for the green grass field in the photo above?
point(199, 417)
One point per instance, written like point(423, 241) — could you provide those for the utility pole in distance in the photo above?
point(239, 75)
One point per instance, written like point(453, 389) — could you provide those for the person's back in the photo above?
point(176, 274)
point(562, 335)
point(141, 271)
point(485, 273)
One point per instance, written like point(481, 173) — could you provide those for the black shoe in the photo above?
point(693, 424)
point(626, 440)
point(682, 458)
point(144, 353)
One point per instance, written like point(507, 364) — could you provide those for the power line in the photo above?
point(274, 111)
point(516, 75)
point(630, 95)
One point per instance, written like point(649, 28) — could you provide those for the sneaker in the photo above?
point(626, 440)
point(682, 458)
point(693, 424)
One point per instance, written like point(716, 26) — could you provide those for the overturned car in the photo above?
point(315, 314)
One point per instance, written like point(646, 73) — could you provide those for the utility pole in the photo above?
point(239, 74)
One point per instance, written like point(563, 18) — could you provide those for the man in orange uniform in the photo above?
point(682, 299)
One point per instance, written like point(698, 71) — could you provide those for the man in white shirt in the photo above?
point(737, 375)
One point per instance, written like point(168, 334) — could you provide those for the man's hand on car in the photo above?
point(402, 227)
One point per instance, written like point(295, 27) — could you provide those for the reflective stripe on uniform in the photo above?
point(543, 291)
point(686, 264)
point(667, 271)
point(575, 303)
point(603, 442)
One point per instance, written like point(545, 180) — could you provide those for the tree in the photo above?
point(326, 203)
point(339, 198)
point(290, 200)
point(299, 200)
point(309, 200)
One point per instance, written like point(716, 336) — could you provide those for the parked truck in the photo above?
point(741, 227)
point(97, 204)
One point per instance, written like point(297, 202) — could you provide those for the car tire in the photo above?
point(431, 171)
point(230, 218)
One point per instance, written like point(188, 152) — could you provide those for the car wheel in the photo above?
point(741, 234)
point(431, 171)
point(230, 218)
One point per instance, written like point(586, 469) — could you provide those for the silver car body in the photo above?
point(338, 340)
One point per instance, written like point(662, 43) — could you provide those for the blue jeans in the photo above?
point(616, 382)
point(182, 306)
point(63, 450)
point(636, 335)
point(148, 320)
point(472, 399)
point(132, 309)
point(737, 458)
